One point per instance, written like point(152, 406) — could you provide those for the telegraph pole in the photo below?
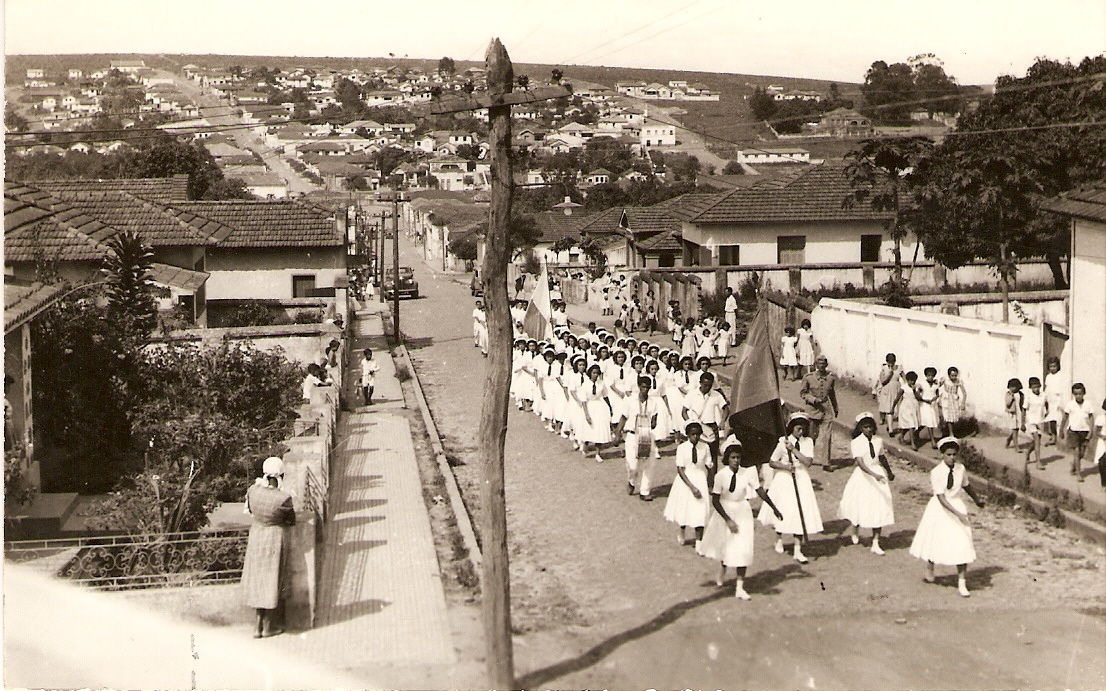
point(396, 198)
point(496, 584)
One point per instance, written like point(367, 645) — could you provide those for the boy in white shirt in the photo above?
point(1077, 421)
point(1035, 406)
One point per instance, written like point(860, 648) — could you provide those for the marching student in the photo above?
point(791, 488)
point(658, 391)
point(944, 535)
point(637, 427)
point(596, 406)
point(687, 504)
point(707, 406)
point(728, 536)
point(866, 501)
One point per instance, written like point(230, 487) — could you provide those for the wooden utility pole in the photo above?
point(396, 198)
point(496, 583)
point(493, 419)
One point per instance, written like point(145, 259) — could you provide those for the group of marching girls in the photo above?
point(599, 390)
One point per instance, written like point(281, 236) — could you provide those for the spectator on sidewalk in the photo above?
point(265, 568)
point(928, 391)
point(886, 390)
point(789, 354)
point(1035, 407)
point(730, 310)
point(1076, 424)
point(819, 391)
point(805, 347)
point(369, 368)
point(1055, 394)
point(906, 409)
point(1100, 444)
point(952, 400)
point(1014, 401)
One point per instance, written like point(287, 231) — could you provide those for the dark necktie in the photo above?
point(951, 478)
point(593, 389)
point(654, 382)
point(694, 454)
point(621, 371)
point(733, 483)
point(872, 449)
point(550, 372)
point(687, 377)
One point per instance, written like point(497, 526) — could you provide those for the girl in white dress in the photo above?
point(516, 371)
point(805, 337)
point(791, 489)
point(549, 389)
point(561, 409)
point(681, 384)
point(705, 348)
point(722, 343)
point(789, 355)
point(687, 339)
point(866, 501)
point(658, 391)
point(1055, 391)
point(596, 407)
point(620, 379)
point(575, 411)
point(728, 536)
point(927, 392)
point(687, 504)
point(944, 535)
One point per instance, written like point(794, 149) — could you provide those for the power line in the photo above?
point(632, 31)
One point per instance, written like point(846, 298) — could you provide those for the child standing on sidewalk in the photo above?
point(886, 391)
point(866, 501)
point(906, 409)
point(805, 336)
point(1035, 406)
point(927, 391)
point(1100, 445)
point(1054, 393)
point(1077, 421)
point(369, 368)
point(944, 535)
point(1015, 411)
point(789, 355)
point(952, 397)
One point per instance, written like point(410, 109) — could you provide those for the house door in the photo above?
point(791, 249)
point(1053, 344)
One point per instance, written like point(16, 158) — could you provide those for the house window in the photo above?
point(869, 247)
point(302, 286)
point(791, 249)
point(666, 259)
point(729, 255)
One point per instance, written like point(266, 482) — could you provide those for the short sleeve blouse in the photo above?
point(747, 484)
point(702, 452)
point(859, 448)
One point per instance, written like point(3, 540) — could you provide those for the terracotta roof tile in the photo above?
point(1088, 203)
point(164, 190)
point(278, 223)
point(21, 303)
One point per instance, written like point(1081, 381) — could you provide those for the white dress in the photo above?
point(941, 538)
point(806, 346)
point(664, 422)
point(782, 492)
point(591, 395)
point(679, 385)
point(682, 508)
point(719, 542)
point(927, 403)
point(866, 501)
point(789, 356)
point(551, 387)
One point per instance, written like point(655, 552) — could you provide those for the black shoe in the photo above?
point(645, 497)
point(630, 489)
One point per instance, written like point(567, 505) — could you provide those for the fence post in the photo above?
point(795, 279)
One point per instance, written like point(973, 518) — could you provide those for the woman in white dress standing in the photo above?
point(687, 504)
point(728, 537)
point(866, 501)
point(791, 489)
point(596, 405)
point(944, 535)
point(789, 354)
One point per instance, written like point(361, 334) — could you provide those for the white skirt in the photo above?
point(663, 429)
point(941, 538)
point(732, 549)
point(682, 508)
point(927, 415)
point(782, 494)
point(866, 502)
point(552, 406)
point(599, 431)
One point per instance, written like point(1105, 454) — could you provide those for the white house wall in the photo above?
point(258, 274)
point(1088, 307)
point(825, 242)
point(856, 337)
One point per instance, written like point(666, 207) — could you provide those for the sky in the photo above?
point(978, 40)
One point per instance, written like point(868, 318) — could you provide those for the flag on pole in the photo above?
point(538, 323)
point(756, 415)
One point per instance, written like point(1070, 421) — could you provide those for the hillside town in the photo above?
point(261, 324)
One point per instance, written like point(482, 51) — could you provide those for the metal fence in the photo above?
point(125, 562)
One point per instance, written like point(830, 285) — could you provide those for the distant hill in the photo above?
point(726, 123)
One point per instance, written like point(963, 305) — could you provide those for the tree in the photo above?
point(464, 248)
point(879, 172)
point(762, 104)
point(349, 95)
point(446, 66)
point(131, 293)
point(14, 121)
point(1015, 150)
point(733, 168)
point(888, 91)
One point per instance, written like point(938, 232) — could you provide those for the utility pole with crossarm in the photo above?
point(496, 583)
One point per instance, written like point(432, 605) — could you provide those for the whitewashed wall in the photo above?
point(857, 336)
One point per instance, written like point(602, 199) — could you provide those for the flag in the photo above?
point(756, 415)
point(538, 323)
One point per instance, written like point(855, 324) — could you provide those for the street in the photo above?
point(602, 596)
point(217, 112)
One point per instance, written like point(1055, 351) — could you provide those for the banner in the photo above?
point(538, 323)
point(756, 414)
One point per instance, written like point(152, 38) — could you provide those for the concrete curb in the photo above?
point(456, 502)
point(1077, 524)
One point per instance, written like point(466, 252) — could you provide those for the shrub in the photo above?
point(311, 316)
point(254, 313)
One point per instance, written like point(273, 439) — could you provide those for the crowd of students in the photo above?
point(603, 389)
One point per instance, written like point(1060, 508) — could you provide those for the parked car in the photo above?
point(408, 286)
point(476, 286)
